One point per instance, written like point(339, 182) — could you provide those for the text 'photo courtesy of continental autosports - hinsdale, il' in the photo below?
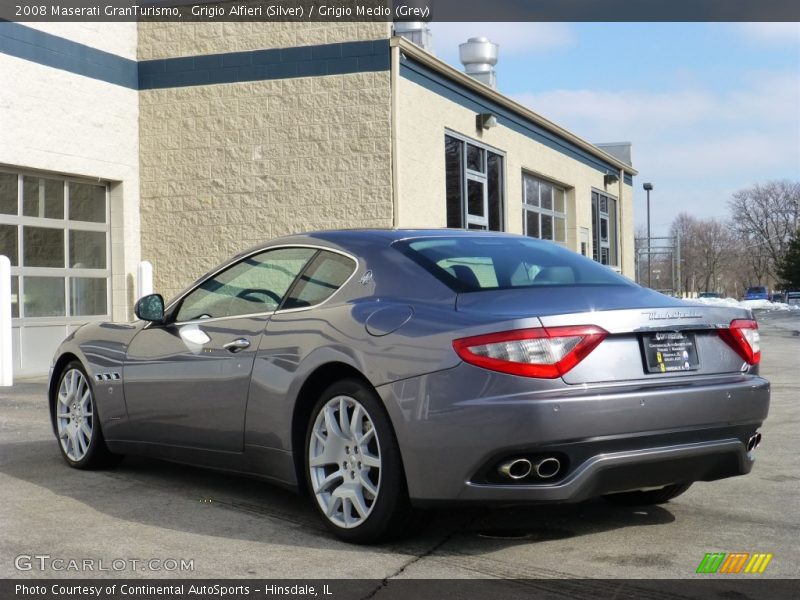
point(385, 372)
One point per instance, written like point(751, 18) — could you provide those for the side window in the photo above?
point(326, 274)
point(254, 285)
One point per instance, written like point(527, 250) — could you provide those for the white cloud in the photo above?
point(770, 33)
point(697, 144)
point(513, 38)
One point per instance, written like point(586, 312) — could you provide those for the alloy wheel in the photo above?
point(75, 415)
point(344, 461)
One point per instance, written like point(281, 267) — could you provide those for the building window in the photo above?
point(544, 212)
point(56, 232)
point(474, 185)
point(605, 248)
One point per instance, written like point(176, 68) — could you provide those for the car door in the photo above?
point(186, 382)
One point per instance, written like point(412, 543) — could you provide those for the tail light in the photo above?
point(742, 335)
point(545, 353)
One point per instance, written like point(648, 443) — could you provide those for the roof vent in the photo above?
point(417, 32)
point(479, 56)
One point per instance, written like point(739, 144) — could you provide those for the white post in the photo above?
point(6, 361)
point(144, 276)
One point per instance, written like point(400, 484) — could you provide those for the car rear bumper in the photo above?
point(455, 427)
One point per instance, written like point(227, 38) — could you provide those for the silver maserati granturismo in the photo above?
point(385, 371)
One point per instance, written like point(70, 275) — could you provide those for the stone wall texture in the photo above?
point(168, 40)
point(225, 167)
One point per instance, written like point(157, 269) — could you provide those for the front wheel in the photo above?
point(76, 422)
point(353, 465)
point(644, 498)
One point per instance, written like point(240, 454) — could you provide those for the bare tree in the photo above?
point(765, 216)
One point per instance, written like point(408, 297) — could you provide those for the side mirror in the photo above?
point(150, 308)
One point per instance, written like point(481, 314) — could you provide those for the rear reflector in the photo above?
point(742, 335)
point(544, 352)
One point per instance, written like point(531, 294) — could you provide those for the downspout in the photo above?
point(394, 78)
point(622, 241)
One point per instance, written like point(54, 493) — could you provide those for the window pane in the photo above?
point(43, 247)
point(560, 204)
point(14, 297)
point(453, 181)
point(87, 202)
point(8, 242)
point(323, 277)
point(494, 181)
point(532, 223)
point(87, 249)
point(603, 204)
point(547, 227)
point(42, 198)
point(8, 193)
point(603, 229)
point(475, 198)
point(475, 158)
point(44, 297)
point(546, 195)
point(88, 296)
point(612, 232)
point(560, 229)
point(257, 284)
point(531, 191)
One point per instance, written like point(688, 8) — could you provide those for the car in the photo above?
point(387, 372)
point(758, 292)
point(793, 298)
point(776, 297)
point(709, 295)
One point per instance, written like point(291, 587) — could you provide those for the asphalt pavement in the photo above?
point(234, 527)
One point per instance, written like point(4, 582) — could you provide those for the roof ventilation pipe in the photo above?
point(417, 32)
point(479, 56)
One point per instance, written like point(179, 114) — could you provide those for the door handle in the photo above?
point(237, 345)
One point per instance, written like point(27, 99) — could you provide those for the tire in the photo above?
point(660, 496)
point(338, 468)
point(76, 422)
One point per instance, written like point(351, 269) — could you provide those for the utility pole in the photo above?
point(648, 187)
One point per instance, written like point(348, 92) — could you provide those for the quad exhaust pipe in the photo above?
point(754, 442)
point(520, 468)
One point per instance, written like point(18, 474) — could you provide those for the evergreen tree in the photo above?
point(789, 265)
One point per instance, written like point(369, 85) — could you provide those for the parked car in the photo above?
point(709, 295)
point(758, 292)
point(793, 298)
point(777, 297)
point(384, 371)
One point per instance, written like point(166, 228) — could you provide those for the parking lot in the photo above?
point(234, 527)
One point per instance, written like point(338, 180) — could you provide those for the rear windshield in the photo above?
point(468, 264)
point(757, 290)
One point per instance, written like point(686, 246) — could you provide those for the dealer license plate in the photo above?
point(670, 351)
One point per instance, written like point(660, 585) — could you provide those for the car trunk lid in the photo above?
point(641, 324)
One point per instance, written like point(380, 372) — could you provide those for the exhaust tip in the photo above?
point(548, 467)
point(754, 442)
point(518, 468)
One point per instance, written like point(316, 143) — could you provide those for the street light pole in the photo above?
point(647, 187)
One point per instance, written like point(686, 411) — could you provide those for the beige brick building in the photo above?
point(183, 143)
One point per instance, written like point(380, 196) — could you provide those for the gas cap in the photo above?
point(388, 319)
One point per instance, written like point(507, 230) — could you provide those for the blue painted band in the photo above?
point(259, 65)
point(280, 63)
point(460, 94)
point(53, 51)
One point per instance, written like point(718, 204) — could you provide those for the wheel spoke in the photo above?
point(356, 424)
point(333, 502)
point(343, 425)
point(86, 430)
point(360, 504)
point(364, 439)
point(347, 511)
point(331, 424)
point(86, 400)
point(328, 481)
point(370, 461)
point(367, 484)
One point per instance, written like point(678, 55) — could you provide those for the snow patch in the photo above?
point(751, 304)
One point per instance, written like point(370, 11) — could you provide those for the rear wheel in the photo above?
point(659, 496)
point(77, 425)
point(353, 465)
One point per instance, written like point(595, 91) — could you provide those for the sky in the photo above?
point(710, 108)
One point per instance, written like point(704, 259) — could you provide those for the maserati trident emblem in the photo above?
point(366, 278)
